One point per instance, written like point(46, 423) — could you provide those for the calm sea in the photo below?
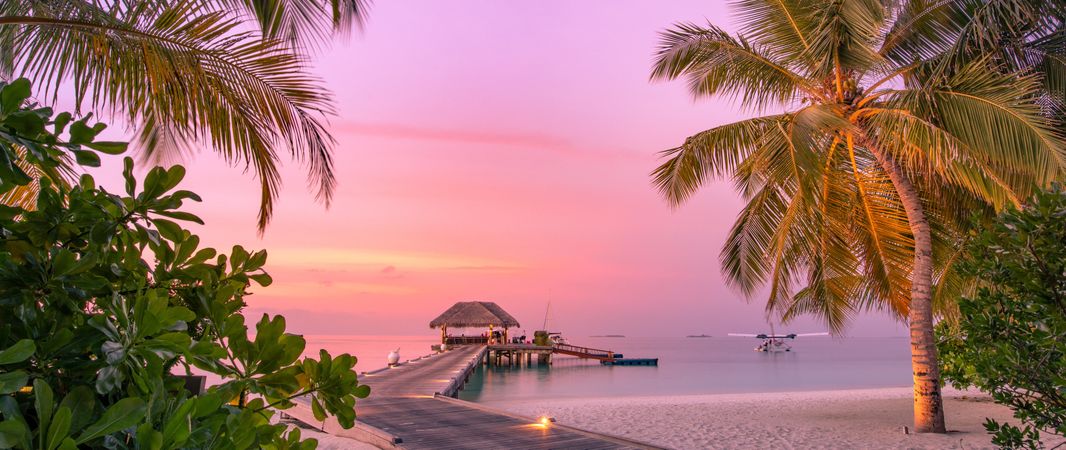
point(712, 365)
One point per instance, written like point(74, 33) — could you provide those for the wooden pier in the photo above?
point(410, 406)
point(517, 354)
point(522, 354)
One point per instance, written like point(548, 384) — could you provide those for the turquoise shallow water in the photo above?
point(703, 366)
point(686, 366)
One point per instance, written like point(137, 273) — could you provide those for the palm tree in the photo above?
point(1018, 34)
point(858, 192)
point(228, 74)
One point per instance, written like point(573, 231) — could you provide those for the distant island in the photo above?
point(698, 335)
point(610, 335)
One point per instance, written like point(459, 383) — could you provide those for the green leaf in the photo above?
point(12, 95)
point(123, 414)
point(19, 352)
point(13, 433)
point(80, 133)
point(183, 194)
point(148, 438)
point(10, 409)
point(178, 428)
point(87, 182)
point(25, 123)
point(257, 260)
point(87, 158)
point(13, 381)
point(82, 404)
point(44, 402)
point(207, 404)
point(127, 174)
point(63, 262)
point(153, 182)
point(59, 430)
point(181, 215)
point(174, 175)
point(109, 147)
point(237, 256)
point(10, 172)
point(61, 121)
point(169, 230)
point(317, 410)
point(108, 379)
point(263, 279)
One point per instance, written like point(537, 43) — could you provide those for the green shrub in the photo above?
point(104, 296)
point(1011, 338)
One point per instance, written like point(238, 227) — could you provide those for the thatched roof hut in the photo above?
point(474, 314)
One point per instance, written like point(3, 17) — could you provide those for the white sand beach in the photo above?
point(852, 419)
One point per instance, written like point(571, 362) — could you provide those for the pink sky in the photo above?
point(499, 151)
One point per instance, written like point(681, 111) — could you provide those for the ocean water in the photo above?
point(372, 351)
point(712, 365)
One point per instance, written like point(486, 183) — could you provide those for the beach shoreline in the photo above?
point(858, 418)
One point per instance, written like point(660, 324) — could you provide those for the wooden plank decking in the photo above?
point(410, 402)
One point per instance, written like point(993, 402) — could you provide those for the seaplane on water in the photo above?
point(773, 343)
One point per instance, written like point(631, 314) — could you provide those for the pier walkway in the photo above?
point(410, 406)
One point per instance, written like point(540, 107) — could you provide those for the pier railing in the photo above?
point(466, 340)
point(584, 352)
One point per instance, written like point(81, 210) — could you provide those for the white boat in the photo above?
point(773, 345)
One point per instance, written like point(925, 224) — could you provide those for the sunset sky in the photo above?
point(499, 151)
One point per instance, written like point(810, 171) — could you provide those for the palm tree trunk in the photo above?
point(928, 403)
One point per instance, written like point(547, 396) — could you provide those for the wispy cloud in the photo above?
point(339, 258)
point(304, 290)
point(403, 131)
point(486, 268)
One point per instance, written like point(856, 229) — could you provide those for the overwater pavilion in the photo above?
point(473, 315)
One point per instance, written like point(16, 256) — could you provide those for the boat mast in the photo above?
point(544, 326)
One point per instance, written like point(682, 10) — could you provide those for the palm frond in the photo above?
point(714, 153)
point(823, 299)
point(924, 29)
point(1003, 29)
point(178, 73)
point(715, 63)
point(783, 26)
point(1051, 51)
point(925, 150)
point(300, 22)
point(950, 284)
point(834, 277)
point(745, 263)
point(881, 233)
point(844, 36)
point(998, 114)
point(788, 248)
point(25, 196)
